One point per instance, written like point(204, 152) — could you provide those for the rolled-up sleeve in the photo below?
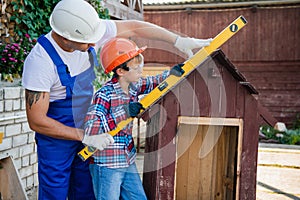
point(99, 119)
point(147, 84)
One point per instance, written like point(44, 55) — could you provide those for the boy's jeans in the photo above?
point(115, 184)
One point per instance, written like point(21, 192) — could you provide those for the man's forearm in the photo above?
point(37, 104)
point(129, 28)
point(53, 128)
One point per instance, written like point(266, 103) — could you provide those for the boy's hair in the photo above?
point(124, 66)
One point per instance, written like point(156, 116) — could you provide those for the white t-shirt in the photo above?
point(40, 74)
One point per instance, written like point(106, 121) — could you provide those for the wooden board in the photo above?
point(11, 186)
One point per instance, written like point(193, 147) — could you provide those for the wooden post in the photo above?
point(11, 185)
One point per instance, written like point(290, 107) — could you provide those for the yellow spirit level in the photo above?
point(171, 81)
point(1, 137)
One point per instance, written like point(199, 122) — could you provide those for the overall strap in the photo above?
point(62, 69)
point(92, 52)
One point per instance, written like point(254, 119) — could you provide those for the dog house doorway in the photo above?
point(208, 158)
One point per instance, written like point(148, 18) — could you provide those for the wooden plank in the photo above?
point(206, 165)
point(240, 101)
point(11, 185)
point(230, 85)
point(167, 147)
point(209, 121)
point(277, 87)
point(228, 152)
point(231, 180)
point(267, 66)
point(239, 158)
point(249, 150)
point(274, 77)
point(203, 97)
point(150, 177)
point(188, 102)
point(216, 90)
point(284, 97)
point(230, 157)
point(185, 137)
point(220, 163)
point(217, 164)
point(198, 185)
point(240, 110)
point(282, 114)
point(183, 141)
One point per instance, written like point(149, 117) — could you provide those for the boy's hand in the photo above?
point(177, 70)
point(98, 141)
point(133, 109)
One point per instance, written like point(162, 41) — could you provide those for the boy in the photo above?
point(113, 170)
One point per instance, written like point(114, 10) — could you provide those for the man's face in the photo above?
point(71, 46)
point(82, 46)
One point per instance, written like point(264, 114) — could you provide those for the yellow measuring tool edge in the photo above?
point(1, 137)
point(171, 81)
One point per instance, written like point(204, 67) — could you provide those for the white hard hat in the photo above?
point(78, 21)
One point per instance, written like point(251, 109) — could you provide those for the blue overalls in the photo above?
point(62, 173)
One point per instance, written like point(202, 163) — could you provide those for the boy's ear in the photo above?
point(120, 72)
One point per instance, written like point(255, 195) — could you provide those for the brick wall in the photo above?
point(18, 140)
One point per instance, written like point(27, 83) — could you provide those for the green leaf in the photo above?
point(18, 21)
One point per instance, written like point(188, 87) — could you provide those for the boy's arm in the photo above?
point(147, 84)
point(98, 119)
point(97, 124)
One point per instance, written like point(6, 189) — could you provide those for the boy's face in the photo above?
point(135, 70)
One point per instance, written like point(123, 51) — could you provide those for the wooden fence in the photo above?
point(266, 51)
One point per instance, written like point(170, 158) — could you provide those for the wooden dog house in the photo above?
point(202, 136)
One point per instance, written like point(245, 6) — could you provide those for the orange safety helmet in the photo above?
point(117, 51)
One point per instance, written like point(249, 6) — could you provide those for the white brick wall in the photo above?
point(18, 141)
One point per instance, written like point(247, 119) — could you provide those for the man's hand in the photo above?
point(98, 141)
point(177, 70)
point(133, 109)
point(187, 44)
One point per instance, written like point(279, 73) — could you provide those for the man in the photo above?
point(58, 75)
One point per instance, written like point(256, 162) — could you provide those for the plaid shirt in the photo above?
point(107, 110)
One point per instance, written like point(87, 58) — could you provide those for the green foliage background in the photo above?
point(32, 18)
point(290, 136)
